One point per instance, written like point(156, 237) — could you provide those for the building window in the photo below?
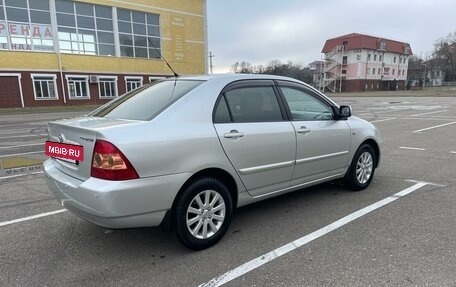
point(107, 87)
point(28, 26)
point(373, 71)
point(394, 59)
point(44, 87)
point(368, 57)
point(378, 72)
point(139, 34)
point(375, 57)
point(78, 87)
point(133, 83)
point(84, 28)
point(380, 58)
point(394, 71)
point(403, 72)
point(344, 60)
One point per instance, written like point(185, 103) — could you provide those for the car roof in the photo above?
point(228, 78)
point(235, 77)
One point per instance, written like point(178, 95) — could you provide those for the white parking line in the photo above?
point(453, 152)
point(23, 136)
point(383, 120)
point(412, 148)
point(31, 217)
point(428, 113)
point(19, 175)
point(434, 127)
point(24, 145)
point(274, 254)
point(24, 153)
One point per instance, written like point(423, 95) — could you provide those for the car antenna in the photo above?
point(163, 58)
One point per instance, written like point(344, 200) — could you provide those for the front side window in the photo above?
point(253, 104)
point(108, 87)
point(78, 87)
point(304, 107)
point(44, 87)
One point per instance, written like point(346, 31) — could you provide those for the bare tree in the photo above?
point(445, 56)
point(275, 67)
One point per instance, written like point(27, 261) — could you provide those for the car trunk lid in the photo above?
point(82, 132)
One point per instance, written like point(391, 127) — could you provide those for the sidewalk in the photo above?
point(51, 109)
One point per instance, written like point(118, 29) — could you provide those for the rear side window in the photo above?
point(249, 104)
point(146, 102)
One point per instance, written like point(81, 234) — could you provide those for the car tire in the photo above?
point(362, 168)
point(203, 213)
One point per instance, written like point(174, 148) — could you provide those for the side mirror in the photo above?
point(344, 112)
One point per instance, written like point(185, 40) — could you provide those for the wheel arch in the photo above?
point(217, 173)
point(376, 148)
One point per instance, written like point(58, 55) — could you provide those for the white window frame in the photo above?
point(141, 79)
point(100, 77)
point(82, 77)
point(54, 80)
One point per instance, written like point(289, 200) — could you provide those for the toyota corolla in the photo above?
point(187, 151)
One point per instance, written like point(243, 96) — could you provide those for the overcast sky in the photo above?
point(258, 31)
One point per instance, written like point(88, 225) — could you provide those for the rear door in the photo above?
point(256, 137)
point(323, 143)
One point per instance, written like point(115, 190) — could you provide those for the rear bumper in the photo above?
point(115, 204)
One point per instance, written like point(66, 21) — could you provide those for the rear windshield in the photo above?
point(147, 101)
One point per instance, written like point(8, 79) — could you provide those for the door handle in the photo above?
point(233, 134)
point(303, 130)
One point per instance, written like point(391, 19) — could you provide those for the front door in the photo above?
point(255, 136)
point(322, 142)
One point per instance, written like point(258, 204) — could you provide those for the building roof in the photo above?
point(361, 41)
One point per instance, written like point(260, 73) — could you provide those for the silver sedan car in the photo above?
point(184, 152)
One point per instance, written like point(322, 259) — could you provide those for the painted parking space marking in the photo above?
point(382, 120)
point(24, 145)
point(434, 127)
point(276, 253)
point(23, 136)
point(411, 148)
point(19, 175)
point(32, 217)
point(23, 153)
point(428, 113)
point(453, 152)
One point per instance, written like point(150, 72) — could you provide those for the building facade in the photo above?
point(66, 52)
point(357, 62)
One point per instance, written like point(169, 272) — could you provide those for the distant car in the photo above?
point(186, 151)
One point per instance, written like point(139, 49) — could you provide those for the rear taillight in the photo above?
point(108, 162)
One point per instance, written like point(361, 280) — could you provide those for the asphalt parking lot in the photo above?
point(398, 232)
